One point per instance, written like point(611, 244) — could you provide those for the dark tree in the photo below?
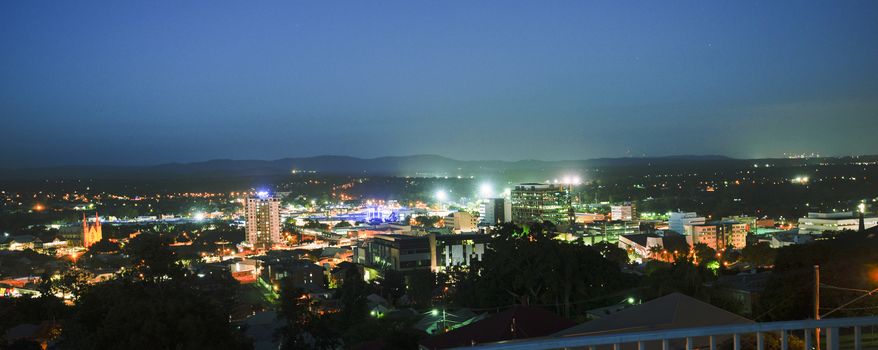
point(152, 259)
point(123, 314)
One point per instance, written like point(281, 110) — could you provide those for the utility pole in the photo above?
point(817, 303)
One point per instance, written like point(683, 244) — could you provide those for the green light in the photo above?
point(434, 312)
point(630, 300)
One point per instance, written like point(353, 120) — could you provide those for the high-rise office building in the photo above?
point(496, 211)
point(263, 220)
point(536, 202)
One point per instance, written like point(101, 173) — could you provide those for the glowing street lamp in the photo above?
point(861, 208)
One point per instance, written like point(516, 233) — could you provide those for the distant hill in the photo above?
point(415, 165)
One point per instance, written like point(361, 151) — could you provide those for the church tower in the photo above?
point(91, 234)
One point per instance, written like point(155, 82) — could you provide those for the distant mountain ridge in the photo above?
point(414, 165)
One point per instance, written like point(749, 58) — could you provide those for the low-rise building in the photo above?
point(456, 250)
point(461, 221)
point(817, 223)
point(718, 234)
point(677, 221)
point(643, 245)
point(625, 212)
point(609, 231)
point(394, 251)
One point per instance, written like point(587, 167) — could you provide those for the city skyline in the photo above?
point(140, 84)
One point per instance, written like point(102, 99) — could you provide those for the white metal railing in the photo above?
point(782, 328)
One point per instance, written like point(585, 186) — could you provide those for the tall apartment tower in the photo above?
point(263, 220)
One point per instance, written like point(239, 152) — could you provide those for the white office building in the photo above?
point(816, 223)
point(678, 221)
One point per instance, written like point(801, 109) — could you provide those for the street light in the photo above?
point(441, 195)
point(486, 190)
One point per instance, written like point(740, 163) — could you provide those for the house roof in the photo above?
point(519, 322)
point(668, 312)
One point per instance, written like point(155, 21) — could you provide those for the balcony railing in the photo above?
point(687, 336)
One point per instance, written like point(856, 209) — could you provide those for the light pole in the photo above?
point(817, 303)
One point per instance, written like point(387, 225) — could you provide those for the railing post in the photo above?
point(760, 341)
point(832, 339)
point(784, 340)
point(641, 345)
point(858, 338)
point(808, 341)
point(712, 342)
point(737, 341)
point(689, 344)
point(617, 346)
point(666, 344)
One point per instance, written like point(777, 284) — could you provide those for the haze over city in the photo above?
point(132, 83)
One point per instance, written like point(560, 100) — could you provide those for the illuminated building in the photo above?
point(744, 219)
point(456, 250)
point(609, 231)
point(395, 252)
point(718, 234)
point(627, 212)
point(816, 223)
point(91, 234)
point(678, 221)
point(496, 211)
point(643, 244)
point(535, 202)
point(408, 252)
point(461, 221)
point(263, 220)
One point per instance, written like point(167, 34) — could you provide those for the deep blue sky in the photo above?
point(143, 82)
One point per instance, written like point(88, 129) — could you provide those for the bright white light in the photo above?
point(486, 190)
point(577, 180)
point(441, 195)
point(862, 207)
point(198, 216)
point(567, 180)
point(507, 192)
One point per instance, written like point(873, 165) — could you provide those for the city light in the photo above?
point(262, 194)
point(800, 180)
point(862, 208)
point(441, 195)
point(486, 190)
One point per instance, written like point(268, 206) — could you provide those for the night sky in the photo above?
point(143, 82)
